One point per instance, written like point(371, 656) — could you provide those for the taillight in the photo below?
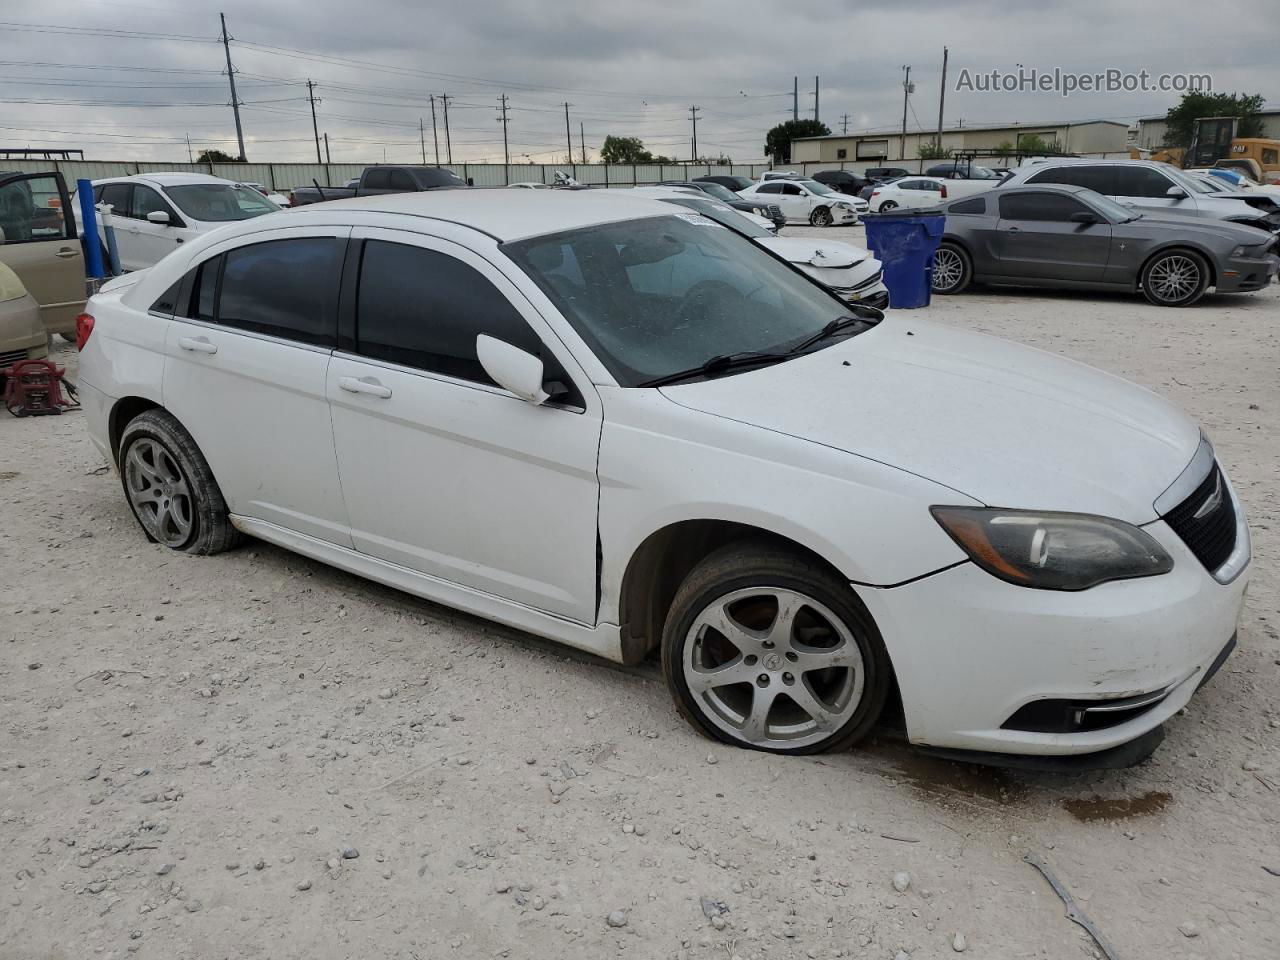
point(875, 193)
point(84, 327)
point(944, 191)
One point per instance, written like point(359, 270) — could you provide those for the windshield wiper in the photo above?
point(716, 364)
point(830, 330)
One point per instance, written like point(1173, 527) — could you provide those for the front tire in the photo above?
point(171, 489)
point(952, 269)
point(1175, 278)
point(767, 649)
point(820, 217)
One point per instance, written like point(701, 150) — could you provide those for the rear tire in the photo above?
point(803, 668)
point(887, 205)
point(952, 269)
point(171, 489)
point(1175, 278)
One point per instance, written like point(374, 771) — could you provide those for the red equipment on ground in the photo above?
point(33, 388)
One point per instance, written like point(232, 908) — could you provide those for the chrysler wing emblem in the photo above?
point(1211, 502)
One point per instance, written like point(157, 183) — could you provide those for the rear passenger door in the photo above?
point(443, 471)
point(245, 363)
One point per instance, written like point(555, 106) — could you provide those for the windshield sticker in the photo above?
point(700, 220)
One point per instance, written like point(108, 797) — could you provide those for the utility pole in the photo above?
point(582, 140)
point(231, 76)
point(435, 136)
point(315, 128)
point(906, 92)
point(693, 113)
point(422, 139)
point(448, 144)
point(795, 98)
point(568, 136)
point(327, 158)
point(506, 154)
point(815, 98)
point(189, 160)
point(844, 124)
point(942, 96)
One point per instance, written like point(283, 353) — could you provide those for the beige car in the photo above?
point(22, 335)
point(38, 241)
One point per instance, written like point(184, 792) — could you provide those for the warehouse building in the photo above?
point(1087, 137)
point(1152, 130)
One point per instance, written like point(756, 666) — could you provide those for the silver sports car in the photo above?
point(1063, 236)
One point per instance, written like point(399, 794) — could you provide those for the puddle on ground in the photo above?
point(1090, 809)
point(947, 779)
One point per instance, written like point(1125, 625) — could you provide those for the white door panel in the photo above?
point(257, 409)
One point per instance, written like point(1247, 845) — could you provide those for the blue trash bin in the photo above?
point(904, 241)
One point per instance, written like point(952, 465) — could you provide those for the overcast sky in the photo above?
point(626, 68)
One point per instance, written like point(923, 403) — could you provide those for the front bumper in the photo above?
point(844, 215)
point(1241, 275)
point(970, 651)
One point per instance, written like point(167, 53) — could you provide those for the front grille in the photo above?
point(9, 357)
point(1206, 521)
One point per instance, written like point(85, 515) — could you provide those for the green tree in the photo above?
point(216, 156)
point(625, 150)
point(777, 142)
point(1194, 106)
point(931, 151)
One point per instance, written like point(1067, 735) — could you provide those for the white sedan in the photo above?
point(807, 201)
point(849, 271)
point(153, 214)
point(631, 430)
point(909, 192)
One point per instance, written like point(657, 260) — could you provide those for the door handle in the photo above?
point(1015, 229)
point(66, 253)
point(197, 345)
point(366, 385)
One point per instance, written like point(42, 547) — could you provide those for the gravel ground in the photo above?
point(256, 756)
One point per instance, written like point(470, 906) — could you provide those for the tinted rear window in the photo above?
point(1099, 178)
point(286, 288)
point(972, 205)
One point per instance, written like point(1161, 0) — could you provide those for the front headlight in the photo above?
point(1053, 551)
point(1239, 251)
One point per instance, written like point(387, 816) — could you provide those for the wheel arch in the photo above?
point(122, 412)
point(658, 566)
point(1175, 245)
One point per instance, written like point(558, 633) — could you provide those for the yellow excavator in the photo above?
point(1216, 145)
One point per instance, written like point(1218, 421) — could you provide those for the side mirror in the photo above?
point(1175, 192)
point(1083, 216)
point(159, 216)
point(511, 368)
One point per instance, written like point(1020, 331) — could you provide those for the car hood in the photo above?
point(1005, 424)
point(815, 253)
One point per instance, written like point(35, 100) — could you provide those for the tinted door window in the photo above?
point(145, 201)
point(769, 188)
point(424, 309)
point(400, 180)
point(791, 190)
point(377, 179)
point(1040, 206)
point(1142, 182)
point(1095, 178)
point(117, 194)
point(286, 288)
point(31, 210)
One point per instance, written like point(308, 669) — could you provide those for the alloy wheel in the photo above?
point(159, 492)
point(773, 667)
point(1174, 278)
point(821, 217)
point(948, 269)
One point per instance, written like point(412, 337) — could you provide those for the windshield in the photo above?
point(1108, 207)
point(719, 192)
point(821, 189)
point(656, 296)
point(219, 202)
point(718, 212)
point(1190, 184)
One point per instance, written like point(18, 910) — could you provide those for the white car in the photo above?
point(807, 201)
point(634, 431)
point(153, 214)
point(850, 271)
point(279, 199)
point(1234, 181)
point(909, 192)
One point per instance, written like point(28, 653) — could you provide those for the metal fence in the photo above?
point(284, 176)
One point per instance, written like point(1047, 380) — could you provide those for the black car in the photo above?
point(883, 174)
point(770, 211)
point(844, 181)
point(729, 182)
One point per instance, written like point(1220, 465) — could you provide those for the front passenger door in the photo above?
point(443, 471)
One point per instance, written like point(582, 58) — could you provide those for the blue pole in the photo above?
point(89, 231)
point(113, 252)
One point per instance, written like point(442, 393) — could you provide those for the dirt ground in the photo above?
point(255, 756)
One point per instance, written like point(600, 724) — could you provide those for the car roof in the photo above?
point(166, 179)
point(503, 214)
